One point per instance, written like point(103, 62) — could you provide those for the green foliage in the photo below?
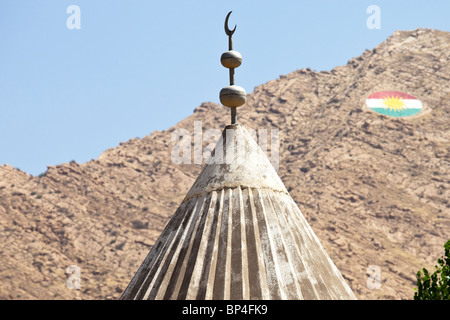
point(435, 286)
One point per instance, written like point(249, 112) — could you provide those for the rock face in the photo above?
point(374, 189)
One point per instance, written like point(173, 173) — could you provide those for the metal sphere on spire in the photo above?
point(232, 96)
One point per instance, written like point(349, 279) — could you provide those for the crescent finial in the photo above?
point(227, 30)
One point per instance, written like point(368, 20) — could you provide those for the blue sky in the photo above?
point(138, 66)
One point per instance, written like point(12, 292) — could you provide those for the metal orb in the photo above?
point(233, 96)
point(231, 59)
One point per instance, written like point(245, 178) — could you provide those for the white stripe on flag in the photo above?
point(408, 103)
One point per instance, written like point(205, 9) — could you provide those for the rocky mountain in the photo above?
point(375, 189)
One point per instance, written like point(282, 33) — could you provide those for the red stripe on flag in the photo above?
point(385, 94)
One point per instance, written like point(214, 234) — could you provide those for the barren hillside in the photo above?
point(375, 189)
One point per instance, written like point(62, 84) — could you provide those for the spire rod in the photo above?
point(232, 96)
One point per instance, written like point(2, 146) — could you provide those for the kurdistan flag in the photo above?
point(394, 103)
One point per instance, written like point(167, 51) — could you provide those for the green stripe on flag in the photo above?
point(395, 113)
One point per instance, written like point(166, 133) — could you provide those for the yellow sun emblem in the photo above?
point(394, 103)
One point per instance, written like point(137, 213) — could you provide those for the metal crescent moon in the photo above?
point(227, 30)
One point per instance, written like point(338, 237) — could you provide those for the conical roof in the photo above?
point(238, 235)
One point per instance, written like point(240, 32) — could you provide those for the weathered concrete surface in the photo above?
point(238, 235)
point(236, 161)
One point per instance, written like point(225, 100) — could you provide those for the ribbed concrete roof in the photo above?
point(238, 235)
